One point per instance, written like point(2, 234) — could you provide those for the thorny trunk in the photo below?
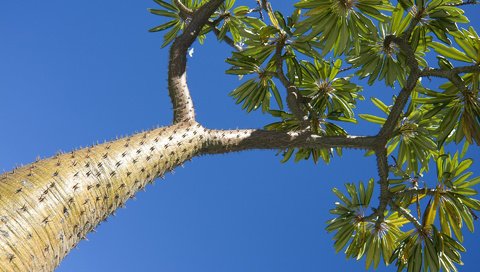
point(48, 206)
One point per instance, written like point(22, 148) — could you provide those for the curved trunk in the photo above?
point(48, 206)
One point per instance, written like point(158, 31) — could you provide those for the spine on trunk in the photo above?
point(47, 207)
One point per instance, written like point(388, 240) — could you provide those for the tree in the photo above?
point(62, 198)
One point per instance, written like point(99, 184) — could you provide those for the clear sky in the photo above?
point(74, 72)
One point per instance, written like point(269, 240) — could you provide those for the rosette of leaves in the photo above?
point(291, 42)
point(177, 21)
point(257, 91)
point(434, 252)
point(413, 136)
point(330, 99)
point(290, 123)
point(426, 247)
point(339, 23)
point(379, 58)
point(456, 204)
point(457, 106)
point(251, 32)
point(439, 17)
point(243, 29)
point(451, 205)
point(362, 236)
point(458, 111)
point(453, 186)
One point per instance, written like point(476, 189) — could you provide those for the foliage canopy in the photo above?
point(321, 55)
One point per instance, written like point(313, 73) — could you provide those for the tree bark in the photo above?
point(48, 206)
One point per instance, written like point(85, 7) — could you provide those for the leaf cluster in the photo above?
point(313, 63)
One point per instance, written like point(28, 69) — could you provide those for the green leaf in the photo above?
point(166, 5)
point(276, 94)
point(449, 52)
point(342, 196)
point(241, 10)
point(172, 34)
point(163, 13)
point(163, 26)
point(335, 68)
point(380, 105)
point(373, 118)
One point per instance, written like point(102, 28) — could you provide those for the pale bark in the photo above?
point(48, 206)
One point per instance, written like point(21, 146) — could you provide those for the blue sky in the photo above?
point(76, 72)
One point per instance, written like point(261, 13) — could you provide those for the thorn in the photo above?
point(46, 220)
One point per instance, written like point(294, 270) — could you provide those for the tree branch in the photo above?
point(183, 109)
point(187, 13)
point(419, 191)
point(389, 126)
point(385, 195)
point(429, 72)
point(293, 96)
point(402, 98)
point(225, 141)
point(453, 75)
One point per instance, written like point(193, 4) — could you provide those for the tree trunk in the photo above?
point(48, 206)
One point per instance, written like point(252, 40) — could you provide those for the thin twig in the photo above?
point(404, 95)
point(407, 215)
point(183, 9)
point(294, 97)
